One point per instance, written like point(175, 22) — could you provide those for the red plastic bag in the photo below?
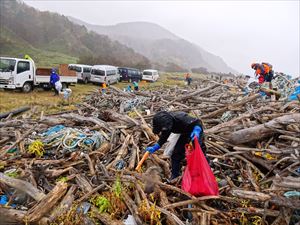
point(198, 178)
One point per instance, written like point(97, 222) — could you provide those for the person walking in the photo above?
point(55, 82)
point(188, 79)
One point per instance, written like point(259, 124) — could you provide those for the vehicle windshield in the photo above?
point(7, 65)
point(98, 72)
point(76, 68)
point(147, 73)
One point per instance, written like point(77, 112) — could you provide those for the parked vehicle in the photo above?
point(83, 72)
point(22, 74)
point(104, 74)
point(130, 74)
point(150, 75)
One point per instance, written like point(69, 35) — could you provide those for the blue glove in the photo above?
point(196, 133)
point(153, 148)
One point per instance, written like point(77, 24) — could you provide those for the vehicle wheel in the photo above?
point(64, 86)
point(27, 87)
point(46, 88)
point(86, 80)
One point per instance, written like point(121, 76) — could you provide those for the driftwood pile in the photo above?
point(84, 172)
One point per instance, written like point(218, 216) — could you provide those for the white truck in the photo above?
point(22, 74)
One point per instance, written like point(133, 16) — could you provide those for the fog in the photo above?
point(241, 32)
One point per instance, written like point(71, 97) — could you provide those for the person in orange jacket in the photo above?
point(264, 72)
point(188, 79)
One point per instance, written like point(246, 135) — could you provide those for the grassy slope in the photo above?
point(14, 46)
point(45, 101)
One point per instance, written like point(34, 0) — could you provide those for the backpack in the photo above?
point(268, 65)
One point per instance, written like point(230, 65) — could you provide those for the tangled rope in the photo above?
point(71, 138)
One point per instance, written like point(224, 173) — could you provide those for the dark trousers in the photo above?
point(179, 153)
point(55, 91)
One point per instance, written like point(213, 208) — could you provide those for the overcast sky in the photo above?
point(241, 32)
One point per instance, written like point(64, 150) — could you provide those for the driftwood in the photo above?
point(252, 144)
point(14, 112)
point(22, 186)
point(262, 131)
point(46, 204)
point(64, 205)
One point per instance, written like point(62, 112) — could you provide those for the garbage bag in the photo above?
point(293, 96)
point(172, 140)
point(198, 178)
point(58, 86)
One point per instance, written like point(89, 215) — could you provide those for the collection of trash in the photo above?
point(79, 167)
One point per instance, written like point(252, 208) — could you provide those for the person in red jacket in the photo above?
point(259, 71)
point(264, 72)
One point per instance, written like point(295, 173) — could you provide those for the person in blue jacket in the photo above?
point(165, 123)
point(54, 77)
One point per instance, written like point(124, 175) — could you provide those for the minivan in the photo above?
point(130, 74)
point(150, 75)
point(83, 72)
point(104, 74)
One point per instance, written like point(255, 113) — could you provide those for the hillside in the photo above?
point(160, 45)
point(45, 35)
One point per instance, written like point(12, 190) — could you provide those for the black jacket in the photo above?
point(173, 122)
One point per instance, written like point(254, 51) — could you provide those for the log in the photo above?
point(14, 112)
point(287, 182)
point(121, 152)
point(133, 155)
point(235, 105)
point(79, 118)
point(257, 196)
point(104, 148)
point(23, 186)
point(47, 203)
point(83, 183)
point(132, 207)
point(191, 201)
point(253, 210)
point(3, 150)
point(11, 216)
point(233, 122)
point(263, 130)
point(198, 92)
point(65, 204)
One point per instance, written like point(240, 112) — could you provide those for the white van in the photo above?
point(150, 75)
point(83, 72)
point(104, 74)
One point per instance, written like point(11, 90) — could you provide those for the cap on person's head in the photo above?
point(254, 65)
point(161, 120)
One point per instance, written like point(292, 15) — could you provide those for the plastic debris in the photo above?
point(130, 220)
point(83, 208)
point(290, 194)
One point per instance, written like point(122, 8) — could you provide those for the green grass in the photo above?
point(43, 100)
point(14, 46)
point(41, 58)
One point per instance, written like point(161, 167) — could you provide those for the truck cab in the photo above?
point(22, 74)
point(17, 73)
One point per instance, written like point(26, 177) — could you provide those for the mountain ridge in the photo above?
point(25, 29)
point(160, 47)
